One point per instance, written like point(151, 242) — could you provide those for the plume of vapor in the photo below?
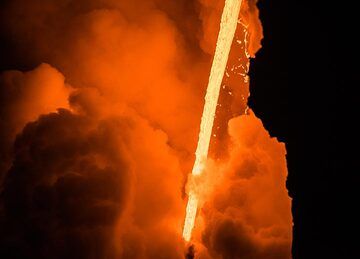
point(96, 144)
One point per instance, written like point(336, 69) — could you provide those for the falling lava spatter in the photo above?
point(229, 20)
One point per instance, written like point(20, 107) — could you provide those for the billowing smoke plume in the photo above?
point(98, 134)
point(23, 97)
point(82, 184)
point(247, 213)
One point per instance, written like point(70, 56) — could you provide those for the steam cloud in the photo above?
point(247, 214)
point(98, 134)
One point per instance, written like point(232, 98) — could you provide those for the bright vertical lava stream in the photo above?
point(229, 20)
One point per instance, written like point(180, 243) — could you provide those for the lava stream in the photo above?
point(228, 25)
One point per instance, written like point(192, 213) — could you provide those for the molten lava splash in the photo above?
point(228, 25)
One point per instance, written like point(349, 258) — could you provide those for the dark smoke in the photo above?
point(65, 190)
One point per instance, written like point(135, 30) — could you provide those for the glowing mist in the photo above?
point(228, 25)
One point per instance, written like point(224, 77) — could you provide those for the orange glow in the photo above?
point(111, 167)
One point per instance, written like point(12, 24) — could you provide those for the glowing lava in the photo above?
point(228, 25)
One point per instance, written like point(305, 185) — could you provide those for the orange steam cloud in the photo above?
point(104, 176)
point(25, 96)
point(246, 212)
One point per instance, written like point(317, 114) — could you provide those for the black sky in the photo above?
point(303, 87)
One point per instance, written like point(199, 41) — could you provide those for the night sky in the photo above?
point(303, 88)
